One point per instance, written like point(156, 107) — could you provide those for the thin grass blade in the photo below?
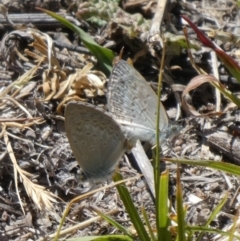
point(131, 209)
point(180, 210)
point(114, 223)
point(214, 214)
point(222, 166)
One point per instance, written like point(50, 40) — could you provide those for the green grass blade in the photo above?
point(222, 166)
point(131, 210)
point(113, 237)
point(160, 224)
point(180, 210)
point(150, 231)
point(104, 56)
point(195, 229)
point(162, 213)
point(113, 222)
point(213, 215)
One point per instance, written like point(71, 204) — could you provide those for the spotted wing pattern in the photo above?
point(95, 138)
point(133, 103)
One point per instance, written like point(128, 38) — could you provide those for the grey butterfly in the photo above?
point(95, 138)
point(133, 104)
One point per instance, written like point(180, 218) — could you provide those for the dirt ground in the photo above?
point(39, 174)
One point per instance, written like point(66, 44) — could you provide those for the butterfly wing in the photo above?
point(133, 103)
point(95, 138)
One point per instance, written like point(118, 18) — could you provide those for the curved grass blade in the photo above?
point(227, 60)
point(104, 56)
point(114, 223)
point(195, 229)
point(222, 166)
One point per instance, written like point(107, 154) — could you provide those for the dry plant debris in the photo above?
point(42, 69)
